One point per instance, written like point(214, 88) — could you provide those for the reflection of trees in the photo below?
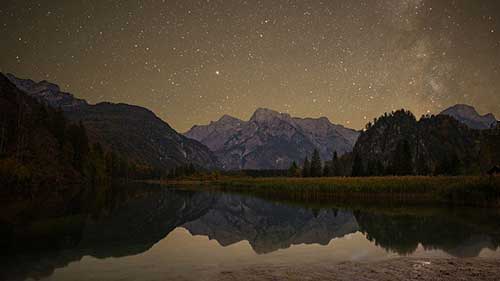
point(402, 233)
point(123, 222)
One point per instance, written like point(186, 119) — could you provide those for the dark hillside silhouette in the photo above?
point(40, 149)
point(398, 144)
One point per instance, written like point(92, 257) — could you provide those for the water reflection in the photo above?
point(270, 226)
point(460, 233)
point(145, 221)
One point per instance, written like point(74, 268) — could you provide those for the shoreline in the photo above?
point(426, 269)
point(474, 191)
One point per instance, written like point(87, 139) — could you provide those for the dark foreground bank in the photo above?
point(397, 269)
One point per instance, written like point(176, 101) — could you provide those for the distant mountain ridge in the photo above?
point(469, 116)
point(47, 93)
point(127, 129)
point(272, 140)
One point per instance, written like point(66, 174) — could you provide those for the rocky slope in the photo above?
point(126, 129)
point(468, 115)
point(47, 93)
point(272, 140)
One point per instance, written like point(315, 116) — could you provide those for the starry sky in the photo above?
point(192, 61)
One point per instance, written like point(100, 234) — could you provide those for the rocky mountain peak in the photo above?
point(228, 120)
point(468, 115)
point(490, 116)
point(272, 140)
point(463, 109)
point(314, 124)
point(29, 85)
point(46, 92)
point(263, 115)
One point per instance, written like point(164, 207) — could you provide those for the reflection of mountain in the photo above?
point(139, 219)
point(402, 233)
point(270, 226)
point(131, 228)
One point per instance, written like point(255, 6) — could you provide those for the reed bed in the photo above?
point(461, 190)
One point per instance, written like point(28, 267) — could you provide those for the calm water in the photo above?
point(163, 234)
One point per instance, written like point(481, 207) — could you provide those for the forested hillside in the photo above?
point(40, 148)
point(398, 144)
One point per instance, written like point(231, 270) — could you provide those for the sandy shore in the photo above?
point(397, 269)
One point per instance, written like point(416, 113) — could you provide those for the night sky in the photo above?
point(192, 61)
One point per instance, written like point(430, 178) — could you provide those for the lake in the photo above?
point(155, 233)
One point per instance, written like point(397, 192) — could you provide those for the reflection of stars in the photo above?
point(217, 72)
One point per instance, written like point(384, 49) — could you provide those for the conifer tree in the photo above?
point(316, 166)
point(327, 170)
point(421, 166)
point(293, 171)
point(357, 166)
point(402, 161)
point(372, 169)
point(306, 168)
point(191, 170)
point(336, 168)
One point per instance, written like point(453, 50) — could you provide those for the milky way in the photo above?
point(192, 61)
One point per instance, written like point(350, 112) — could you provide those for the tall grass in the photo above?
point(464, 190)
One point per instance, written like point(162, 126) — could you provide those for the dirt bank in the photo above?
point(397, 269)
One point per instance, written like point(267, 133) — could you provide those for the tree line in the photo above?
point(315, 167)
point(396, 144)
point(349, 165)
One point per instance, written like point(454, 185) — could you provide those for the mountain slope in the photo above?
point(215, 134)
point(126, 129)
point(36, 147)
point(399, 144)
point(468, 115)
point(272, 140)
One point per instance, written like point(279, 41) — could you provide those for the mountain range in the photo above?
point(126, 129)
point(268, 140)
point(272, 140)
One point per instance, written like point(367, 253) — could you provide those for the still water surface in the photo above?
point(181, 235)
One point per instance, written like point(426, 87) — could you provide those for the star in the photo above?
point(344, 59)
